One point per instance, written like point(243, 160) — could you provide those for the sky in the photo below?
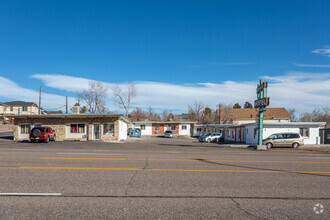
point(176, 52)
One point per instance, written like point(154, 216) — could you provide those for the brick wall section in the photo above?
point(162, 129)
point(59, 125)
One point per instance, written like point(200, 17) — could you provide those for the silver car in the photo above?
point(210, 137)
point(168, 134)
point(284, 140)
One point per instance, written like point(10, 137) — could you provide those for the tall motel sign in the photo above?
point(261, 103)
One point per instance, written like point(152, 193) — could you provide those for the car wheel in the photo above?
point(47, 140)
point(269, 145)
point(295, 145)
point(54, 139)
point(32, 141)
point(208, 140)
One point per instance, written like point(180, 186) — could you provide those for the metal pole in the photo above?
point(261, 95)
point(40, 100)
point(66, 105)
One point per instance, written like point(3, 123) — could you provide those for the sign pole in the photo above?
point(261, 103)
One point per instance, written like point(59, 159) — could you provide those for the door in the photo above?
point(97, 131)
point(165, 128)
point(278, 141)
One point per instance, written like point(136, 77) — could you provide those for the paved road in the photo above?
point(160, 178)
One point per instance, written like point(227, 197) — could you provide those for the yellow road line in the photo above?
point(150, 159)
point(175, 170)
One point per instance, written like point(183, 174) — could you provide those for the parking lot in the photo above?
point(160, 178)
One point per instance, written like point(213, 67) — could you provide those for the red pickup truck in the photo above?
point(42, 134)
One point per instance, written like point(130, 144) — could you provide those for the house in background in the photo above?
point(249, 115)
point(78, 127)
point(18, 108)
point(158, 128)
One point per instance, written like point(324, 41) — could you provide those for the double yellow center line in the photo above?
point(168, 170)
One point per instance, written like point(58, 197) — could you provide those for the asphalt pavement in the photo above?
point(158, 178)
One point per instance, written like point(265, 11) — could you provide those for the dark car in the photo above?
point(42, 134)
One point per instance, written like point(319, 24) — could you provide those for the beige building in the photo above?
point(18, 108)
point(80, 127)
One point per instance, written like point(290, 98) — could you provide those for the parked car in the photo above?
point(284, 140)
point(168, 133)
point(210, 137)
point(42, 134)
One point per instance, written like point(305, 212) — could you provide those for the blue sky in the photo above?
point(210, 51)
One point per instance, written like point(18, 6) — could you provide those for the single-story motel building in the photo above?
point(248, 133)
point(158, 128)
point(75, 127)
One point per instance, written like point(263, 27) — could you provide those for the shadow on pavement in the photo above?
point(257, 168)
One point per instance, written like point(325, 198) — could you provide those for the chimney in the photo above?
point(75, 109)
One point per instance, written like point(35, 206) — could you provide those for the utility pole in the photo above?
point(40, 100)
point(219, 114)
point(66, 104)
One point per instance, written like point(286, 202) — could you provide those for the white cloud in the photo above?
point(11, 91)
point(312, 65)
point(323, 51)
point(301, 90)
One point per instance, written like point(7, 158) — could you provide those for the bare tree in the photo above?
point(318, 115)
point(208, 116)
point(292, 113)
point(138, 115)
point(165, 114)
point(123, 98)
point(94, 97)
point(195, 111)
point(225, 114)
point(152, 116)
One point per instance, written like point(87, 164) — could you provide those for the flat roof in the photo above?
point(164, 122)
point(72, 116)
point(287, 123)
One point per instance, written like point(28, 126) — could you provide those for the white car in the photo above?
point(210, 137)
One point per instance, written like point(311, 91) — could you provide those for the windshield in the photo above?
point(208, 134)
point(168, 131)
point(272, 136)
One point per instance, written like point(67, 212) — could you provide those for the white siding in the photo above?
point(68, 133)
point(147, 131)
point(186, 131)
point(272, 129)
point(122, 130)
point(23, 136)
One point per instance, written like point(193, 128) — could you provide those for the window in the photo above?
point(255, 132)
point(157, 128)
point(11, 108)
point(199, 129)
point(173, 127)
point(77, 128)
point(232, 133)
point(279, 136)
point(24, 108)
point(109, 129)
point(184, 127)
point(25, 129)
point(304, 132)
point(143, 127)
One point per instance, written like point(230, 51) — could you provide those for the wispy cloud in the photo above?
point(301, 90)
point(11, 91)
point(323, 51)
point(312, 65)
